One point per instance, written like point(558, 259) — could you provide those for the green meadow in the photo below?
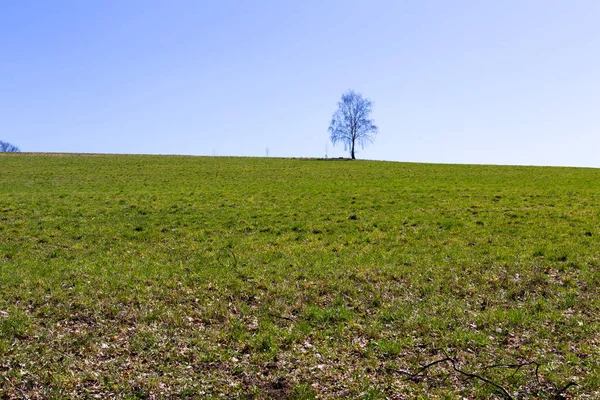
point(211, 277)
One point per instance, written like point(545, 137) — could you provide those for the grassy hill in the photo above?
point(164, 276)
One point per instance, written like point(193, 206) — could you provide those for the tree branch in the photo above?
point(559, 393)
point(418, 375)
point(481, 378)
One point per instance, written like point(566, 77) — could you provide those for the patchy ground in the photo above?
point(155, 276)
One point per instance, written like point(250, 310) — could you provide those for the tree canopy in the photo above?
point(351, 124)
point(6, 147)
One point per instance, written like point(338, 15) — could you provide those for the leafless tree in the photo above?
point(350, 124)
point(6, 147)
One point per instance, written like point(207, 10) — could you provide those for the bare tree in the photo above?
point(6, 147)
point(350, 124)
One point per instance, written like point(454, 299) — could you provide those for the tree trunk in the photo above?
point(352, 153)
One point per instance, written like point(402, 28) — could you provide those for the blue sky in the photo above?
point(488, 82)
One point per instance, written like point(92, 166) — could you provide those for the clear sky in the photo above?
point(491, 82)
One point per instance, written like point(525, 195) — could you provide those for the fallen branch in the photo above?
point(518, 367)
point(281, 317)
point(431, 364)
point(481, 378)
point(559, 393)
point(454, 364)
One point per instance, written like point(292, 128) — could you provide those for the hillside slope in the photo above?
point(166, 276)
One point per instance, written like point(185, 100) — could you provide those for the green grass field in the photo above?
point(174, 277)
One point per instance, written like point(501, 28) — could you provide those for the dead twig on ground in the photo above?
point(454, 364)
